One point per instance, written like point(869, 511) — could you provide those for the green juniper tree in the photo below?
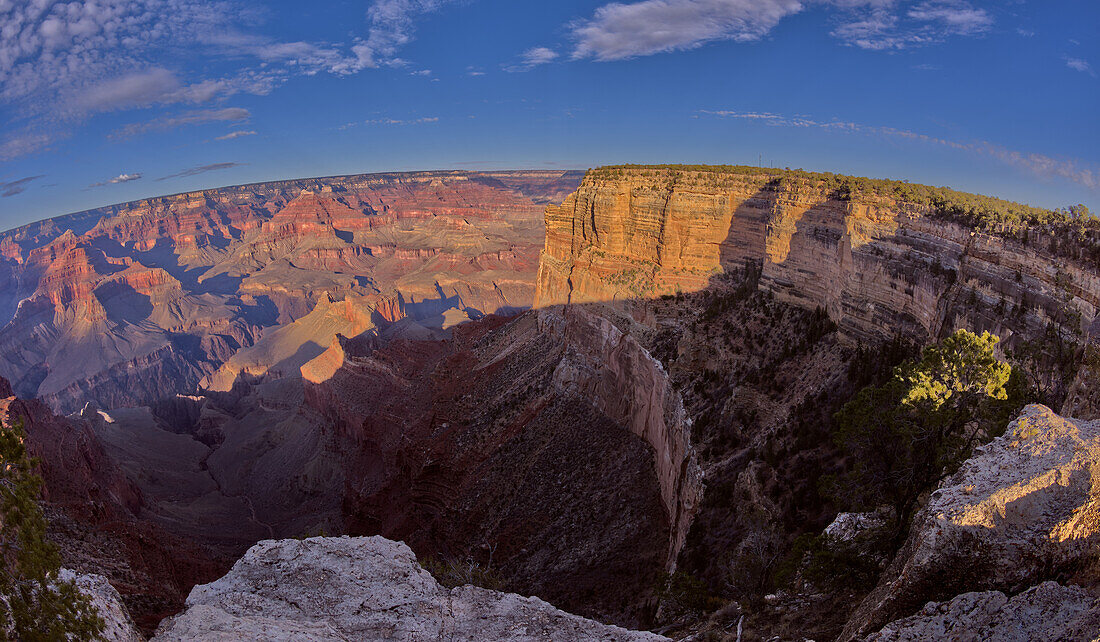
point(904, 436)
point(35, 605)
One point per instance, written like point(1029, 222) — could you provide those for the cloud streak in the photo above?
point(61, 62)
point(201, 169)
point(236, 134)
point(11, 188)
point(1037, 164)
point(197, 117)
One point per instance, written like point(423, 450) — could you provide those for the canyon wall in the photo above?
point(878, 266)
point(133, 302)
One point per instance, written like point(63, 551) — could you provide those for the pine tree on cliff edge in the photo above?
point(35, 605)
point(905, 436)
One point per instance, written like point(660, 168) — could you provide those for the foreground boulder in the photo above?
point(117, 625)
point(1024, 509)
point(363, 589)
point(1048, 611)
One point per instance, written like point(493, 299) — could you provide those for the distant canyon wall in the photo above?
point(132, 302)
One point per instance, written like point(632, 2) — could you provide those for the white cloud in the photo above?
point(618, 31)
point(23, 143)
point(121, 178)
point(1038, 164)
point(532, 58)
point(1077, 64)
point(392, 26)
point(60, 62)
point(954, 16)
point(880, 26)
point(394, 121)
point(236, 134)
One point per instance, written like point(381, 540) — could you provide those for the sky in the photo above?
point(105, 101)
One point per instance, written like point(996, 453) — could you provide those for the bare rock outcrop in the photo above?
point(1025, 508)
point(117, 625)
point(1048, 611)
point(363, 589)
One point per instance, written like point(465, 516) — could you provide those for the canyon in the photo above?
point(585, 389)
point(131, 303)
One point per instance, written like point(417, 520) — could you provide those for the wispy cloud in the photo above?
point(201, 169)
point(121, 178)
point(395, 121)
point(620, 30)
point(18, 186)
point(197, 117)
point(880, 26)
point(236, 134)
point(1078, 64)
point(532, 58)
point(1038, 164)
point(61, 62)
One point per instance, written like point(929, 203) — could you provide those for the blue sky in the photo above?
point(103, 101)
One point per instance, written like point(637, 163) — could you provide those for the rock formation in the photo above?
point(1045, 612)
point(134, 302)
point(117, 625)
point(363, 589)
point(878, 266)
point(1026, 507)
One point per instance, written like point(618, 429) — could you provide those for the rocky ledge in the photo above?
point(1044, 612)
point(366, 588)
point(1024, 509)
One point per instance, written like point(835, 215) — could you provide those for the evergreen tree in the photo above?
point(35, 605)
point(906, 435)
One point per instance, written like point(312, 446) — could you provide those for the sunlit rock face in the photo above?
point(364, 589)
point(879, 267)
point(1023, 509)
point(130, 303)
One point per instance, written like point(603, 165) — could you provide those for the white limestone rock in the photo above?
point(1024, 506)
point(365, 588)
point(1048, 612)
point(117, 625)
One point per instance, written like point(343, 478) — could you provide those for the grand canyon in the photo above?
point(615, 392)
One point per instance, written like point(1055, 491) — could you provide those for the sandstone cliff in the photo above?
point(878, 266)
point(363, 589)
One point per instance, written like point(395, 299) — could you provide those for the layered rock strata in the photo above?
point(134, 302)
point(878, 266)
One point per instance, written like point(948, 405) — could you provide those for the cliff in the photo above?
point(879, 265)
point(133, 302)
